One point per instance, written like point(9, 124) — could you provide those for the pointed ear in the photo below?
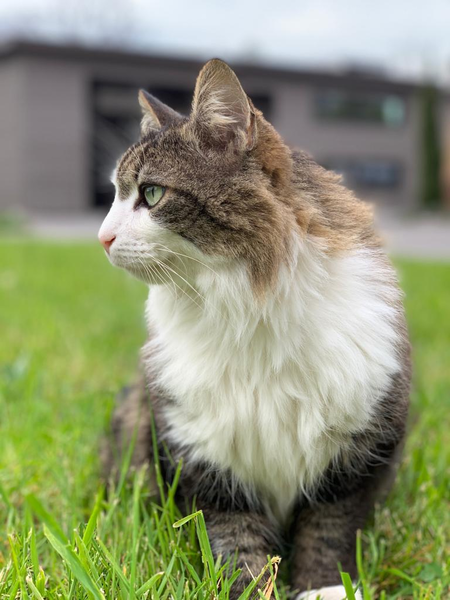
point(221, 110)
point(156, 114)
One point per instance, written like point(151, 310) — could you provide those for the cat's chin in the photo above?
point(149, 274)
point(140, 270)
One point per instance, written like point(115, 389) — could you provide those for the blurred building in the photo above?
point(66, 114)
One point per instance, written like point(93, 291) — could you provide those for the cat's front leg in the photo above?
point(251, 534)
point(324, 530)
point(325, 537)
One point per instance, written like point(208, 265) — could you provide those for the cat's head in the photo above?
point(202, 191)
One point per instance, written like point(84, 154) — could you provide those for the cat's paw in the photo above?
point(335, 592)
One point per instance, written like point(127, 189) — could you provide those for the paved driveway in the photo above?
point(418, 236)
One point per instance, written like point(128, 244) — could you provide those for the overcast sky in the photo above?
point(405, 36)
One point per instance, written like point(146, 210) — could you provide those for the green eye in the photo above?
point(153, 194)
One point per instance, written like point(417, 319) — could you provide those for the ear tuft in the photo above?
point(156, 114)
point(221, 109)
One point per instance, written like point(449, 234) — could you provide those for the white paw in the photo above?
point(335, 592)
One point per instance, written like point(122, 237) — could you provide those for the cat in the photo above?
point(278, 363)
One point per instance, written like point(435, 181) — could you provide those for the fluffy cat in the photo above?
point(277, 364)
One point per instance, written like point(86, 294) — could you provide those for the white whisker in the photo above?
point(191, 258)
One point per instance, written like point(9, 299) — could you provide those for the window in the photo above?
point(116, 118)
point(116, 126)
point(367, 173)
point(347, 105)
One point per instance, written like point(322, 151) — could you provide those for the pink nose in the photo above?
point(106, 241)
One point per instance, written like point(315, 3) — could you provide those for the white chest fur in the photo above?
point(274, 392)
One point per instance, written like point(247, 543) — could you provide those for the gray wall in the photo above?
point(44, 125)
point(12, 139)
point(57, 123)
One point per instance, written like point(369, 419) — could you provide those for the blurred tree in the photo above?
point(430, 147)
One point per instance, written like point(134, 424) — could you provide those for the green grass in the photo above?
point(71, 328)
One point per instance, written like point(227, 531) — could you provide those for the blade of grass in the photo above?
point(90, 527)
point(348, 585)
point(138, 483)
point(45, 517)
point(36, 593)
point(150, 584)
point(20, 572)
point(112, 561)
point(75, 565)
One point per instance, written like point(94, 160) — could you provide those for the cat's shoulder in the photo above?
point(329, 210)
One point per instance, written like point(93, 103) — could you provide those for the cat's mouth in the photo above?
point(148, 267)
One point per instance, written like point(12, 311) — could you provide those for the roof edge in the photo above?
point(82, 53)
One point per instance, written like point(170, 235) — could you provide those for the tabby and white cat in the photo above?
point(277, 364)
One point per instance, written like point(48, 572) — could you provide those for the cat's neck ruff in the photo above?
point(273, 389)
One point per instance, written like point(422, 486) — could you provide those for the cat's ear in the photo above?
point(156, 114)
point(221, 111)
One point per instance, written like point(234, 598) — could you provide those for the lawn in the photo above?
point(71, 329)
